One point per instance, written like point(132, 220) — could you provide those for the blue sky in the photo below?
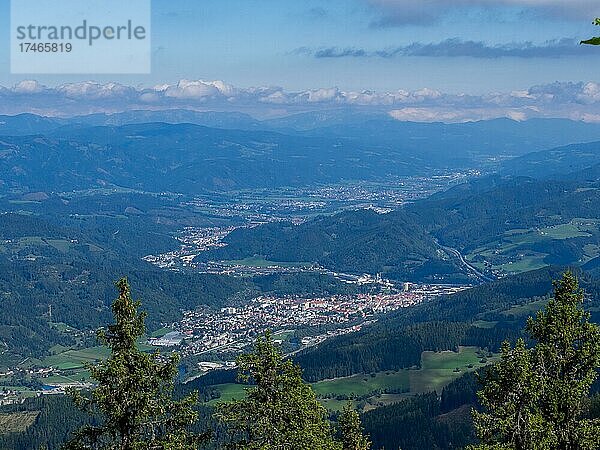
point(473, 47)
point(256, 42)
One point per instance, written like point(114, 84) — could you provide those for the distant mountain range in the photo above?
point(487, 220)
point(236, 151)
point(535, 210)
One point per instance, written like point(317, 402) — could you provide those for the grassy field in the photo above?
point(73, 377)
point(70, 362)
point(359, 385)
point(575, 228)
point(450, 360)
point(76, 359)
point(440, 369)
point(17, 422)
point(333, 404)
point(437, 371)
point(283, 335)
point(22, 391)
point(524, 263)
point(60, 244)
point(37, 245)
point(229, 392)
point(512, 252)
point(161, 332)
point(528, 309)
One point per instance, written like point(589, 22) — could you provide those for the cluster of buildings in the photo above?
point(10, 397)
point(172, 339)
point(193, 241)
point(230, 329)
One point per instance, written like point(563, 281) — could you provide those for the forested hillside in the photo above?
point(492, 221)
point(361, 241)
point(65, 265)
point(232, 151)
point(483, 316)
point(86, 199)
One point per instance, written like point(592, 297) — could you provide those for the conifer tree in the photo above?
point(510, 398)
point(132, 398)
point(536, 398)
point(351, 430)
point(594, 40)
point(566, 358)
point(280, 412)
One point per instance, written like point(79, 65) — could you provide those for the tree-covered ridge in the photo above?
point(561, 162)
point(411, 243)
point(484, 316)
point(361, 241)
point(277, 394)
point(234, 152)
point(103, 242)
point(67, 262)
point(403, 244)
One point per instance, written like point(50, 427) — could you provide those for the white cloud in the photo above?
point(323, 95)
point(187, 89)
point(91, 90)
point(579, 101)
point(278, 97)
point(521, 94)
point(149, 97)
point(519, 116)
point(428, 115)
point(28, 87)
point(590, 93)
point(427, 93)
point(224, 88)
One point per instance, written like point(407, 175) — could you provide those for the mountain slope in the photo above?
point(493, 222)
point(41, 154)
point(181, 158)
point(554, 162)
point(360, 241)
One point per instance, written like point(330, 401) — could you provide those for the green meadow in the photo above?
point(512, 252)
point(437, 371)
point(76, 359)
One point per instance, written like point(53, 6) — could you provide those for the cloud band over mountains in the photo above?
point(577, 101)
point(456, 48)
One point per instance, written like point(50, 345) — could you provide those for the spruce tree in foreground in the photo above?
point(351, 430)
point(594, 40)
point(510, 398)
point(133, 393)
point(536, 398)
point(280, 412)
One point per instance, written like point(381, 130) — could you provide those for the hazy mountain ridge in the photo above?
point(559, 162)
point(89, 152)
